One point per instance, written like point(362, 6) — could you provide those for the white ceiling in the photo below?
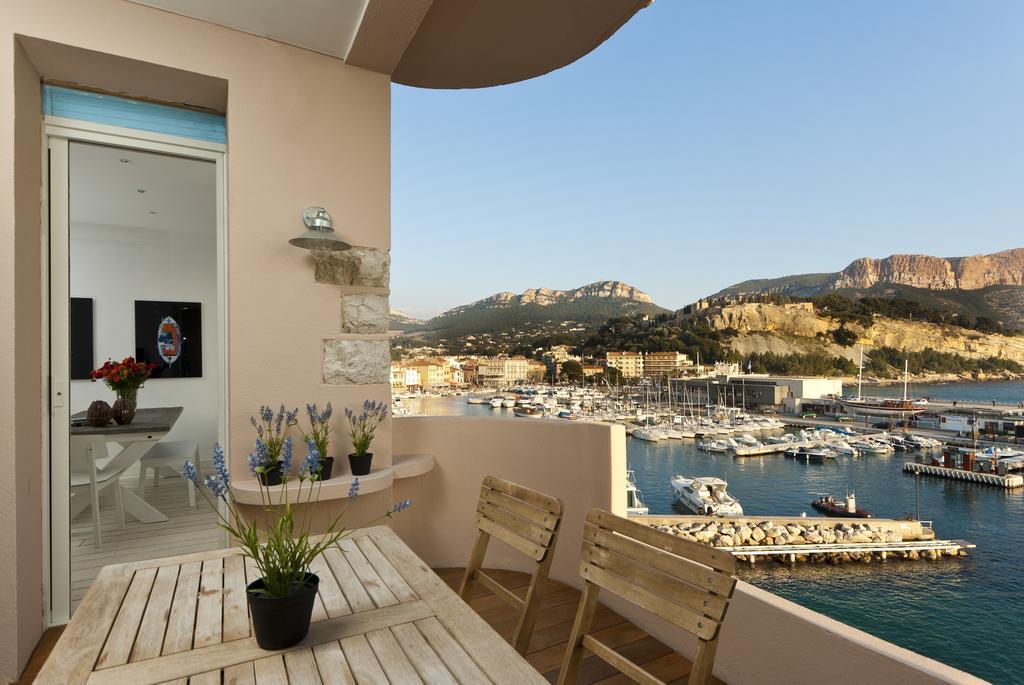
point(327, 26)
point(105, 190)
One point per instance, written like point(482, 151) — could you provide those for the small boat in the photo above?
point(648, 435)
point(827, 504)
point(706, 496)
point(714, 446)
point(528, 412)
point(508, 402)
point(476, 400)
point(495, 402)
point(635, 505)
point(810, 455)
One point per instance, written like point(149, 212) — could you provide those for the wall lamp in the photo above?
point(319, 234)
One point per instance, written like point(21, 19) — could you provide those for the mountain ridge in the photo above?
point(990, 285)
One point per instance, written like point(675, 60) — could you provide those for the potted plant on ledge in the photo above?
point(320, 435)
point(271, 460)
point(281, 599)
point(361, 429)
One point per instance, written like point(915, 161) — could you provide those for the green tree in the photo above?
point(572, 371)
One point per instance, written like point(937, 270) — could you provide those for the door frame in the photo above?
point(58, 133)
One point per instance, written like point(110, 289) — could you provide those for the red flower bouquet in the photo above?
point(124, 377)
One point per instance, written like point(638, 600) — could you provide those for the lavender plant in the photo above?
point(273, 445)
point(362, 427)
point(283, 547)
point(319, 428)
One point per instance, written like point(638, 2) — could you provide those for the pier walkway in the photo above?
point(880, 548)
point(1009, 482)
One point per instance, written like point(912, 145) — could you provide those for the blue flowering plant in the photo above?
point(362, 427)
point(273, 451)
point(279, 542)
point(319, 432)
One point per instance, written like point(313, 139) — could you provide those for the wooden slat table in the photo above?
point(381, 616)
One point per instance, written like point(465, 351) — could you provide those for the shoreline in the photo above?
point(935, 379)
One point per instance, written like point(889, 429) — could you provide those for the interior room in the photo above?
point(144, 284)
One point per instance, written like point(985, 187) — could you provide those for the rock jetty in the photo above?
point(726, 533)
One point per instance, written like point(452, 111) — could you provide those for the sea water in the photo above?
point(966, 612)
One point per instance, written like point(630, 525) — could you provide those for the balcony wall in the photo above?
point(766, 639)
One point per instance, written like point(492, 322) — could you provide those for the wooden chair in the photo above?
point(683, 582)
point(526, 520)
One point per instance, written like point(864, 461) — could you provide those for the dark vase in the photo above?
point(123, 411)
point(326, 468)
point(272, 476)
point(360, 463)
point(99, 414)
point(281, 622)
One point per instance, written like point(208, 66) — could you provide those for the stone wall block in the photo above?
point(361, 266)
point(357, 362)
point(364, 313)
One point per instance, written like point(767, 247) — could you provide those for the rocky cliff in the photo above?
point(934, 273)
point(789, 328)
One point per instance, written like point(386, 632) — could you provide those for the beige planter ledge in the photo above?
point(404, 466)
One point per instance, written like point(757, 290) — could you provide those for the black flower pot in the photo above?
point(272, 476)
point(360, 463)
point(281, 622)
point(326, 468)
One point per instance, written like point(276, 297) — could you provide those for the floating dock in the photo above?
point(790, 552)
point(1008, 482)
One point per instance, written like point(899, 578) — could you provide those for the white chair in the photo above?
point(88, 480)
point(172, 455)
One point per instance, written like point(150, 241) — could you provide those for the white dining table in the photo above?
point(150, 425)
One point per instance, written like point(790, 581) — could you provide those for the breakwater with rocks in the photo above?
point(831, 542)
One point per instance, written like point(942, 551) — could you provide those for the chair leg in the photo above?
point(94, 492)
point(703, 662)
point(142, 480)
point(531, 604)
point(119, 502)
point(192, 486)
point(476, 560)
point(574, 648)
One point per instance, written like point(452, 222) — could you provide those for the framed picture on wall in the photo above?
point(170, 335)
point(80, 338)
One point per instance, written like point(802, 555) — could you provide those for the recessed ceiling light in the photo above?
point(140, 190)
point(125, 160)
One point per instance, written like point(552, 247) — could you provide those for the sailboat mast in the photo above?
point(860, 372)
point(906, 371)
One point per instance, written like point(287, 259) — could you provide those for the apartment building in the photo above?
point(629, 364)
point(664, 363)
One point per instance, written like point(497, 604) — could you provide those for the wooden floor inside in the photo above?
point(186, 530)
point(554, 622)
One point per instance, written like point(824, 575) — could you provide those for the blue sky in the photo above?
point(710, 142)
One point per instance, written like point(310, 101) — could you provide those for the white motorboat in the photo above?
point(648, 435)
point(476, 400)
point(706, 496)
point(714, 446)
point(495, 402)
point(635, 505)
point(508, 402)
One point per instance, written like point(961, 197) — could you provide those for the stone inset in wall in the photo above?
point(364, 313)
point(360, 266)
point(357, 362)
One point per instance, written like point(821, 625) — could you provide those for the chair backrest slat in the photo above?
point(696, 574)
point(693, 551)
point(537, 499)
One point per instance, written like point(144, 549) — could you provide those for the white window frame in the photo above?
point(58, 133)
